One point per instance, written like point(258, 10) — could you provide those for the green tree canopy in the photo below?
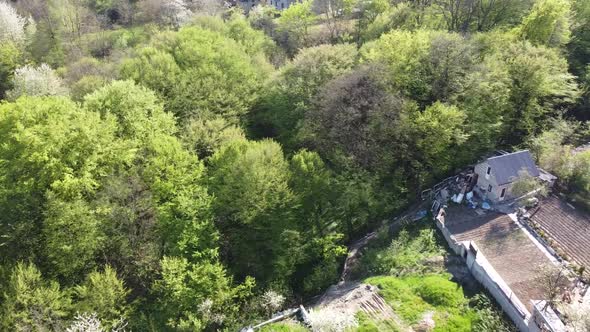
point(253, 205)
point(104, 294)
point(292, 92)
point(548, 23)
point(51, 145)
point(31, 303)
point(198, 72)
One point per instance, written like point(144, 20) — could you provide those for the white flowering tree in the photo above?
point(86, 322)
point(36, 81)
point(271, 301)
point(331, 320)
point(175, 13)
point(578, 316)
point(12, 25)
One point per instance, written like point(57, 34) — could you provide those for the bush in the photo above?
point(406, 254)
point(366, 324)
point(488, 317)
point(412, 297)
point(439, 291)
point(284, 327)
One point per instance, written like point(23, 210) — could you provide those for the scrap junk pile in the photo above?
point(458, 189)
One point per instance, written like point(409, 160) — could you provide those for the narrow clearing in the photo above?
point(350, 297)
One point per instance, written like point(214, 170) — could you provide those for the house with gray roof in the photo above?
point(247, 5)
point(496, 175)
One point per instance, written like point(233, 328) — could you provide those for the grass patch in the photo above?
point(284, 327)
point(367, 324)
point(406, 254)
point(412, 297)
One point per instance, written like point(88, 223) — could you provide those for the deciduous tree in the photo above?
point(37, 82)
point(548, 23)
point(12, 25)
point(199, 73)
point(32, 303)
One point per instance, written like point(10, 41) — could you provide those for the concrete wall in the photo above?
point(456, 246)
point(485, 273)
point(545, 319)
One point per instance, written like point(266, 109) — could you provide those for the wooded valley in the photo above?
point(187, 166)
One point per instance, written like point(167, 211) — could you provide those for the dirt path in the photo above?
point(350, 296)
point(355, 248)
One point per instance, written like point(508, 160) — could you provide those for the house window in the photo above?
point(489, 170)
point(490, 188)
point(503, 193)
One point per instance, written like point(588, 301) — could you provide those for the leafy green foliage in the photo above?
point(366, 324)
point(156, 206)
point(53, 146)
point(554, 150)
point(198, 72)
point(412, 297)
point(407, 254)
point(253, 200)
point(291, 94)
point(10, 57)
point(193, 295)
point(72, 237)
point(548, 23)
point(295, 23)
point(29, 302)
point(488, 318)
point(441, 129)
point(204, 137)
point(103, 293)
point(137, 111)
point(283, 327)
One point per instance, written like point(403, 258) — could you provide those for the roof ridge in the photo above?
point(509, 154)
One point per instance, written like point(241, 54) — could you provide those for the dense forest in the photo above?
point(183, 165)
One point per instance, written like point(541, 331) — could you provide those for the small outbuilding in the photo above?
point(496, 175)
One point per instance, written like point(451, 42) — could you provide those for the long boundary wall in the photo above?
point(484, 272)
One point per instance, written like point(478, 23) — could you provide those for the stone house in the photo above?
point(246, 5)
point(496, 175)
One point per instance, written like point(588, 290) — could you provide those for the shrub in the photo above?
point(439, 291)
point(412, 297)
point(284, 327)
point(366, 324)
point(405, 255)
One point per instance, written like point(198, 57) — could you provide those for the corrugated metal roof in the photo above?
point(506, 167)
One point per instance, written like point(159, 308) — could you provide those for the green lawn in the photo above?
point(366, 324)
point(284, 327)
point(412, 297)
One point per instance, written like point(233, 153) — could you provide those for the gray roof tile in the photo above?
point(506, 167)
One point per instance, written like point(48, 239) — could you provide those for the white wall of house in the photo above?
point(247, 5)
point(281, 4)
point(485, 182)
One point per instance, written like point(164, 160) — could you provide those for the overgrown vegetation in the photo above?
point(434, 295)
point(168, 164)
point(409, 271)
point(415, 250)
point(366, 324)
